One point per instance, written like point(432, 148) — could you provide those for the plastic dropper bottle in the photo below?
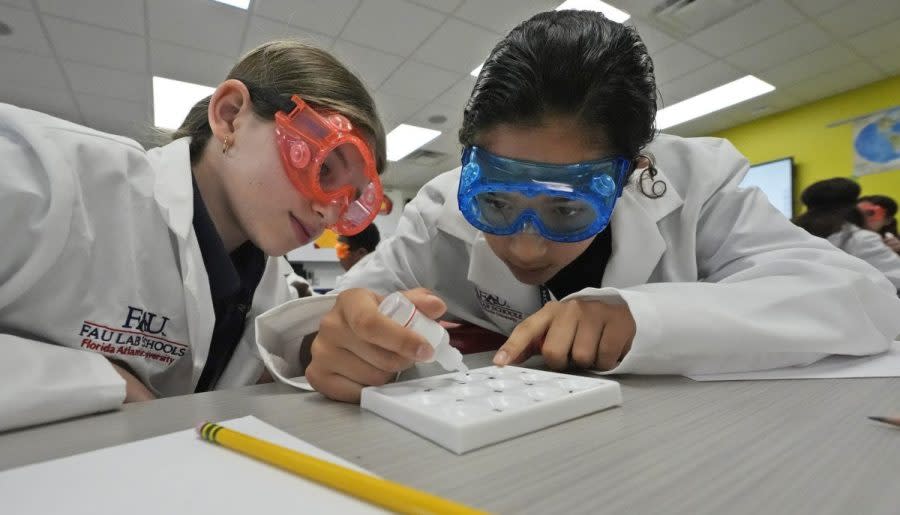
point(399, 309)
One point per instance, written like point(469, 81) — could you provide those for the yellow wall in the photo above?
point(820, 152)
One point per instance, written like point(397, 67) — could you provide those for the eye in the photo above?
point(496, 203)
point(567, 210)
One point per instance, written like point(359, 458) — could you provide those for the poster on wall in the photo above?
point(876, 142)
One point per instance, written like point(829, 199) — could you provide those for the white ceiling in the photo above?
point(91, 61)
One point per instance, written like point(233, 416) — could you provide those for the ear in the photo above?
point(228, 103)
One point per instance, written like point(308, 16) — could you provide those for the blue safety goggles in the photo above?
point(564, 203)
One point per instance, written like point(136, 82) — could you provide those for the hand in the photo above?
point(135, 391)
point(592, 333)
point(893, 242)
point(358, 346)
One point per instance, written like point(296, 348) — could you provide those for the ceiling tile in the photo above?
point(199, 24)
point(126, 15)
point(95, 45)
point(809, 65)
point(677, 60)
point(457, 45)
point(114, 116)
point(779, 49)
point(450, 126)
point(765, 105)
point(888, 62)
point(447, 6)
point(703, 79)
point(263, 30)
point(749, 26)
point(377, 24)
point(86, 78)
point(23, 69)
point(323, 16)
point(855, 17)
point(501, 16)
point(655, 40)
point(54, 102)
point(372, 66)
point(26, 31)
point(416, 80)
point(817, 7)
point(704, 126)
point(395, 109)
point(877, 40)
point(835, 81)
point(180, 63)
point(459, 94)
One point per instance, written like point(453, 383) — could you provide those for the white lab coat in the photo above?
point(717, 280)
point(868, 246)
point(99, 258)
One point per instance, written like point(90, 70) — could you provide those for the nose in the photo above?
point(528, 246)
point(329, 212)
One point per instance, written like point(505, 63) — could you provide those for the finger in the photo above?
point(332, 385)
point(341, 361)
point(428, 303)
point(612, 344)
point(587, 338)
point(378, 357)
point(560, 335)
point(528, 330)
point(359, 308)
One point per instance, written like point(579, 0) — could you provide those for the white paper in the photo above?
point(833, 367)
point(173, 474)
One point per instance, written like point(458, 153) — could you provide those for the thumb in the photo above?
point(426, 302)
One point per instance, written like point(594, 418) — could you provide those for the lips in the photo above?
point(529, 275)
point(302, 234)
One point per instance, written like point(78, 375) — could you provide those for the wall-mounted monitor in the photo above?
point(776, 180)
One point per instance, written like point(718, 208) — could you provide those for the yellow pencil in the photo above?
point(384, 493)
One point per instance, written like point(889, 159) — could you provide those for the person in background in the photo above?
point(128, 274)
point(880, 215)
point(833, 213)
point(576, 230)
point(351, 249)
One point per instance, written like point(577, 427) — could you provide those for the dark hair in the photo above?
point(890, 211)
point(367, 239)
point(568, 63)
point(830, 204)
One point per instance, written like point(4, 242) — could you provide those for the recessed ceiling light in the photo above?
point(614, 14)
point(715, 99)
point(241, 4)
point(406, 138)
point(172, 99)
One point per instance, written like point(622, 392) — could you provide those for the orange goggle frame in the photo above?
point(349, 181)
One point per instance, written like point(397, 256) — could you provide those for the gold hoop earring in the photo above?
point(225, 145)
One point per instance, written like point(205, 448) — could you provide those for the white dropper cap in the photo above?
point(399, 309)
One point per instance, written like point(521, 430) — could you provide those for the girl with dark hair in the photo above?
point(880, 215)
point(833, 212)
point(584, 236)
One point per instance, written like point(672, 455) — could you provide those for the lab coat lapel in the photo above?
point(637, 244)
point(175, 196)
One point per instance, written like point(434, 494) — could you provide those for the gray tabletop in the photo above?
point(675, 446)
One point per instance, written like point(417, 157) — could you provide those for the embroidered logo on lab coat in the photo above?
point(142, 334)
point(497, 305)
